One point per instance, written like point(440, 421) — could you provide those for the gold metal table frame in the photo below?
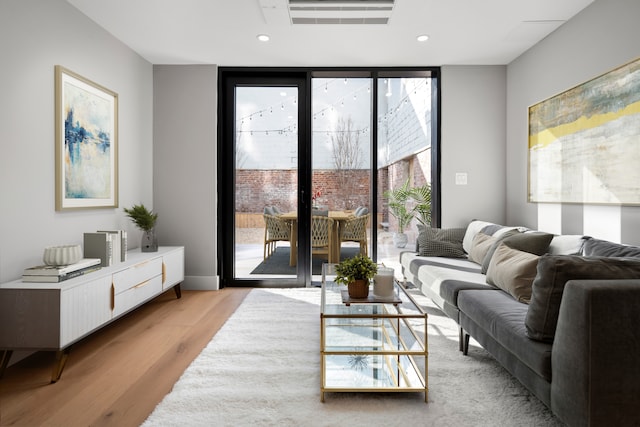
point(371, 347)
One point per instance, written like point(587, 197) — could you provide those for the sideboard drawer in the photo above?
point(136, 274)
point(136, 295)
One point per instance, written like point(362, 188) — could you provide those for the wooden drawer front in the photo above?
point(136, 295)
point(137, 274)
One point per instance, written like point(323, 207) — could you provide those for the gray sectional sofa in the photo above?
point(560, 313)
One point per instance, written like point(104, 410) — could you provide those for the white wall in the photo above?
point(600, 38)
point(35, 35)
point(473, 142)
point(185, 166)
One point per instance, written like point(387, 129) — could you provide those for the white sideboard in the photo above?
point(53, 316)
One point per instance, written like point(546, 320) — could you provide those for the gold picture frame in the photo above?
point(86, 152)
point(584, 143)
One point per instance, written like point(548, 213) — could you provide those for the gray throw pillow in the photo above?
point(597, 247)
point(479, 247)
point(553, 272)
point(513, 271)
point(446, 242)
point(496, 242)
point(535, 242)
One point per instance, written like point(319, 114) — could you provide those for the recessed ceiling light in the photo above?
point(422, 38)
point(263, 37)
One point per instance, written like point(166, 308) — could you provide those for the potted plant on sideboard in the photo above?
point(145, 220)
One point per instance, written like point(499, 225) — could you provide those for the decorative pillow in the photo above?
point(513, 271)
point(597, 247)
point(535, 242)
point(553, 273)
point(497, 240)
point(446, 242)
point(479, 247)
point(567, 244)
point(473, 228)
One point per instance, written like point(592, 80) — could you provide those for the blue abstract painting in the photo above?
point(87, 143)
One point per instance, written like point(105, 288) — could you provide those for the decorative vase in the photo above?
point(358, 288)
point(400, 239)
point(149, 241)
point(383, 283)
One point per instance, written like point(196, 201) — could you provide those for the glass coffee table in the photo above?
point(371, 345)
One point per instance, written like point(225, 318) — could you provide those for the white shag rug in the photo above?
point(263, 369)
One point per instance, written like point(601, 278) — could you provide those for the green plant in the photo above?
point(358, 267)
point(143, 218)
point(422, 196)
point(398, 199)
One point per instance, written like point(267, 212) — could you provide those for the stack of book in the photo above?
point(56, 273)
point(110, 246)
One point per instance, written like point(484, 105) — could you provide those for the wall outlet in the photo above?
point(461, 178)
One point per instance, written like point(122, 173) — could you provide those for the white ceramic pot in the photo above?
point(62, 255)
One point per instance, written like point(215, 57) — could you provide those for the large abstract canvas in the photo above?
point(584, 144)
point(86, 143)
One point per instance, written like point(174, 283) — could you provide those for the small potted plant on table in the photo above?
point(356, 273)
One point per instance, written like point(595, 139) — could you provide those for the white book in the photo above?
point(99, 245)
point(54, 270)
point(119, 244)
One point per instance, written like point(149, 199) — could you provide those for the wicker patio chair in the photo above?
point(355, 230)
point(321, 232)
point(275, 230)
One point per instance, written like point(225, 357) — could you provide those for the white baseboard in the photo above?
point(201, 283)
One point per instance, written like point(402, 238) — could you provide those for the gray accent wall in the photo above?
point(185, 169)
point(600, 38)
point(472, 143)
point(36, 35)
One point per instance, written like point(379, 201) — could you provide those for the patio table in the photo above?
point(339, 217)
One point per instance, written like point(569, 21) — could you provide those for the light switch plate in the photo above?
point(461, 178)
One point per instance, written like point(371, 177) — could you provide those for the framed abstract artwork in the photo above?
point(86, 156)
point(584, 144)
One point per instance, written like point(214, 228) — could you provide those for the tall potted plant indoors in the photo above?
point(356, 273)
point(398, 199)
point(145, 220)
point(422, 196)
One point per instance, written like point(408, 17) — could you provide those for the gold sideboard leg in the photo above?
point(4, 361)
point(178, 291)
point(58, 366)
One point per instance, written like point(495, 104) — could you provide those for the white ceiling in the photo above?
point(224, 32)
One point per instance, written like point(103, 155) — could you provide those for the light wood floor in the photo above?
point(118, 375)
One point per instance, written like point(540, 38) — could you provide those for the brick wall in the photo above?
point(257, 188)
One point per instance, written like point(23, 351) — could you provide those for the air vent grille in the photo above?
point(336, 12)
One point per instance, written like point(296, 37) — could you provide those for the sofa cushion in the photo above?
point(473, 228)
point(497, 240)
point(567, 244)
point(597, 247)
point(553, 273)
point(513, 271)
point(502, 318)
point(480, 246)
point(446, 242)
point(534, 242)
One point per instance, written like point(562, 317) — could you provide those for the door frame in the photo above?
point(226, 168)
point(227, 82)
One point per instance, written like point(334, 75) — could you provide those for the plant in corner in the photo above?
point(145, 220)
point(356, 273)
point(398, 208)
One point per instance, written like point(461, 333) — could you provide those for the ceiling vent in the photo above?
point(345, 12)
